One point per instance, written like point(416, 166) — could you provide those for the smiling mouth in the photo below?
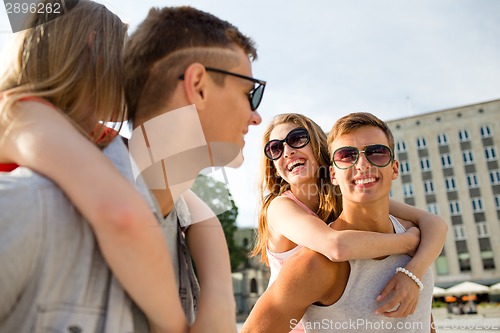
point(294, 164)
point(365, 181)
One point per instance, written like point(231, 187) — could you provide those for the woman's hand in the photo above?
point(405, 292)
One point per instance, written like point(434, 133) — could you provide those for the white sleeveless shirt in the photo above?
point(354, 311)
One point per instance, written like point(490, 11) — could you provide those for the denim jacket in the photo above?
point(53, 277)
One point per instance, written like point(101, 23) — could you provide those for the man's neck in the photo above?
point(372, 216)
point(170, 151)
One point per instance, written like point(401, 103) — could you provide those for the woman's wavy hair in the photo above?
point(75, 62)
point(272, 186)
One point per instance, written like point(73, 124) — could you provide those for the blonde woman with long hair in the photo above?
point(298, 201)
point(60, 81)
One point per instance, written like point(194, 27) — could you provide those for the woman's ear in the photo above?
point(195, 85)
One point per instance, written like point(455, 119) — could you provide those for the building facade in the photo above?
point(251, 280)
point(449, 166)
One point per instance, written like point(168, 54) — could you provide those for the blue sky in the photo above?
point(327, 58)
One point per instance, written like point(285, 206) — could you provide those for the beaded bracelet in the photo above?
point(412, 276)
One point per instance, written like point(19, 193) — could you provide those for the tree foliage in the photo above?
point(217, 196)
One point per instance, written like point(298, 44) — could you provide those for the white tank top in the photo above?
point(354, 311)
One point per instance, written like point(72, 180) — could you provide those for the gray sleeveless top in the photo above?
point(354, 311)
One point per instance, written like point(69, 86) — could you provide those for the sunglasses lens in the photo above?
point(273, 149)
point(298, 138)
point(256, 97)
point(378, 155)
point(345, 157)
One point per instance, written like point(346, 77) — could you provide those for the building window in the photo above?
point(488, 263)
point(446, 161)
point(468, 157)
point(433, 208)
point(497, 201)
point(472, 180)
point(408, 190)
point(459, 232)
point(405, 167)
point(454, 208)
point(490, 153)
point(253, 286)
point(463, 135)
point(425, 164)
point(482, 230)
point(421, 142)
point(401, 146)
point(441, 264)
point(495, 177)
point(477, 205)
point(464, 262)
point(449, 182)
point(485, 131)
point(442, 139)
point(429, 186)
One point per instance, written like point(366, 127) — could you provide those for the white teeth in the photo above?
point(364, 181)
point(293, 164)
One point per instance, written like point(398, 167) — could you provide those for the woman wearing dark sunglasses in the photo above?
point(298, 198)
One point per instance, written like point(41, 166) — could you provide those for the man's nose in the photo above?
point(255, 118)
point(362, 162)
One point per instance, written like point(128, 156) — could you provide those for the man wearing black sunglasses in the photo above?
point(191, 98)
point(341, 296)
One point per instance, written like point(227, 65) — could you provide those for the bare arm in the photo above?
point(288, 219)
point(127, 232)
point(207, 245)
point(433, 234)
point(304, 279)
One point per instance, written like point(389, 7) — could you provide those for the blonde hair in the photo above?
point(271, 186)
point(75, 62)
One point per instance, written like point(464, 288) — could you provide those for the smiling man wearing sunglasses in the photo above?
point(191, 99)
point(342, 296)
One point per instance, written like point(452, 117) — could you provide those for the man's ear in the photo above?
point(395, 169)
point(332, 176)
point(195, 85)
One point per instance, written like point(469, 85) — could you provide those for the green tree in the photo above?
point(217, 196)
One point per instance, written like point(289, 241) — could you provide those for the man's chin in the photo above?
point(238, 161)
point(225, 154)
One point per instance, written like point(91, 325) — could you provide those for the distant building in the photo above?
point(449, 166)
point(249, 281)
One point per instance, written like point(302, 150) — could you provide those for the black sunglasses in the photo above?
point(296, 138)
point(254, 95)
point(378, 155)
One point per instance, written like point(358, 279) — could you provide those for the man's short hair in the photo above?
point(166, 43)
point(353, 121)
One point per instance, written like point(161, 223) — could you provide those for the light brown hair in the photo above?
point(271, 186)
point(166, 43)
point(353, 121)
point(74, 62)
